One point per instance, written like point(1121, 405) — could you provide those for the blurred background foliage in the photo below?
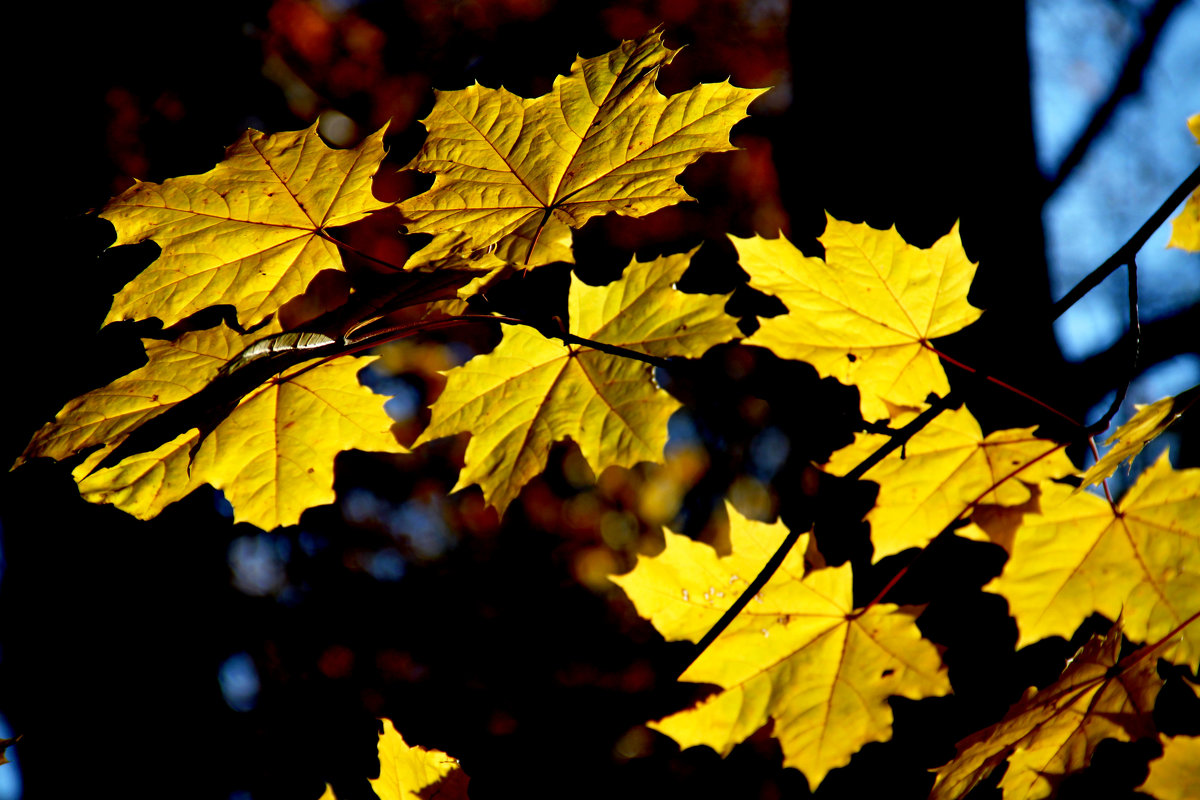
point(189, 656)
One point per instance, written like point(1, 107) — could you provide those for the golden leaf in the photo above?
point(251, 232)
point(532, 391)
point(1175, 775)
point(1185, 228)
point(1141, 429)
point(1053, 732)
point(799, 653)
point(864, 314)
point(411, 772)
point(518, 173)
point(943, 471)
point(272, 453)
point(1139, 559)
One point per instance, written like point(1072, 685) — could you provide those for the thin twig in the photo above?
point(1135, 341)
point(898, 439)
point(1128, 250)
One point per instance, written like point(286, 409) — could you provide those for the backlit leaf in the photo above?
point(1054, 732)
point(864, 314)
point(1175, 775)
point(1141, 429)
point(272, 454)
point(532, 391)
point(799, 654)
point(943, 471)
point(410, 772)
point(1185, 228)
point(1139, 560)
point(512, 172)
point(251, 232)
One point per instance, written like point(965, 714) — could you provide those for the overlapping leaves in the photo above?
point(944, 472)
point(1054, 732)
point(272, 452)
point(800, 654)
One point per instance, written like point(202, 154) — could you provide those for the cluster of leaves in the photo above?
point(259, 404)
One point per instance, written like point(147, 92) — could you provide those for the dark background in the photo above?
point(504, 647)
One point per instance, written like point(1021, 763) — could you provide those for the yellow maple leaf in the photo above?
point(412, 772)
point(1185, 228)
point(512, 172)
point(1175, 775)
point(532, 391)
point(1139, 559)
point(1141, 429)
point(272, 454)
point(864, 314)
point(1053, 732)
point(799, 653)
point(251, 232)
point(943, 471)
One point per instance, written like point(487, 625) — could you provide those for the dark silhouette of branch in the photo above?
point(1128, 250)
point(1160, 340)
point(1129, 81)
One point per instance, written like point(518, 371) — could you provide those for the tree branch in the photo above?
point(1129, 81)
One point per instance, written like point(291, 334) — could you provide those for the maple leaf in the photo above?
point(943, 471)
point(515, 172)
point(864, 314)
point(251, 232)
point(1139, 559)
point(799, 653)
point(1051, 733)
point(1141, 429)
point(1175, 775)
point(412, 772)
point(272, 452)
point(1185, 228)
point(532, 391)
